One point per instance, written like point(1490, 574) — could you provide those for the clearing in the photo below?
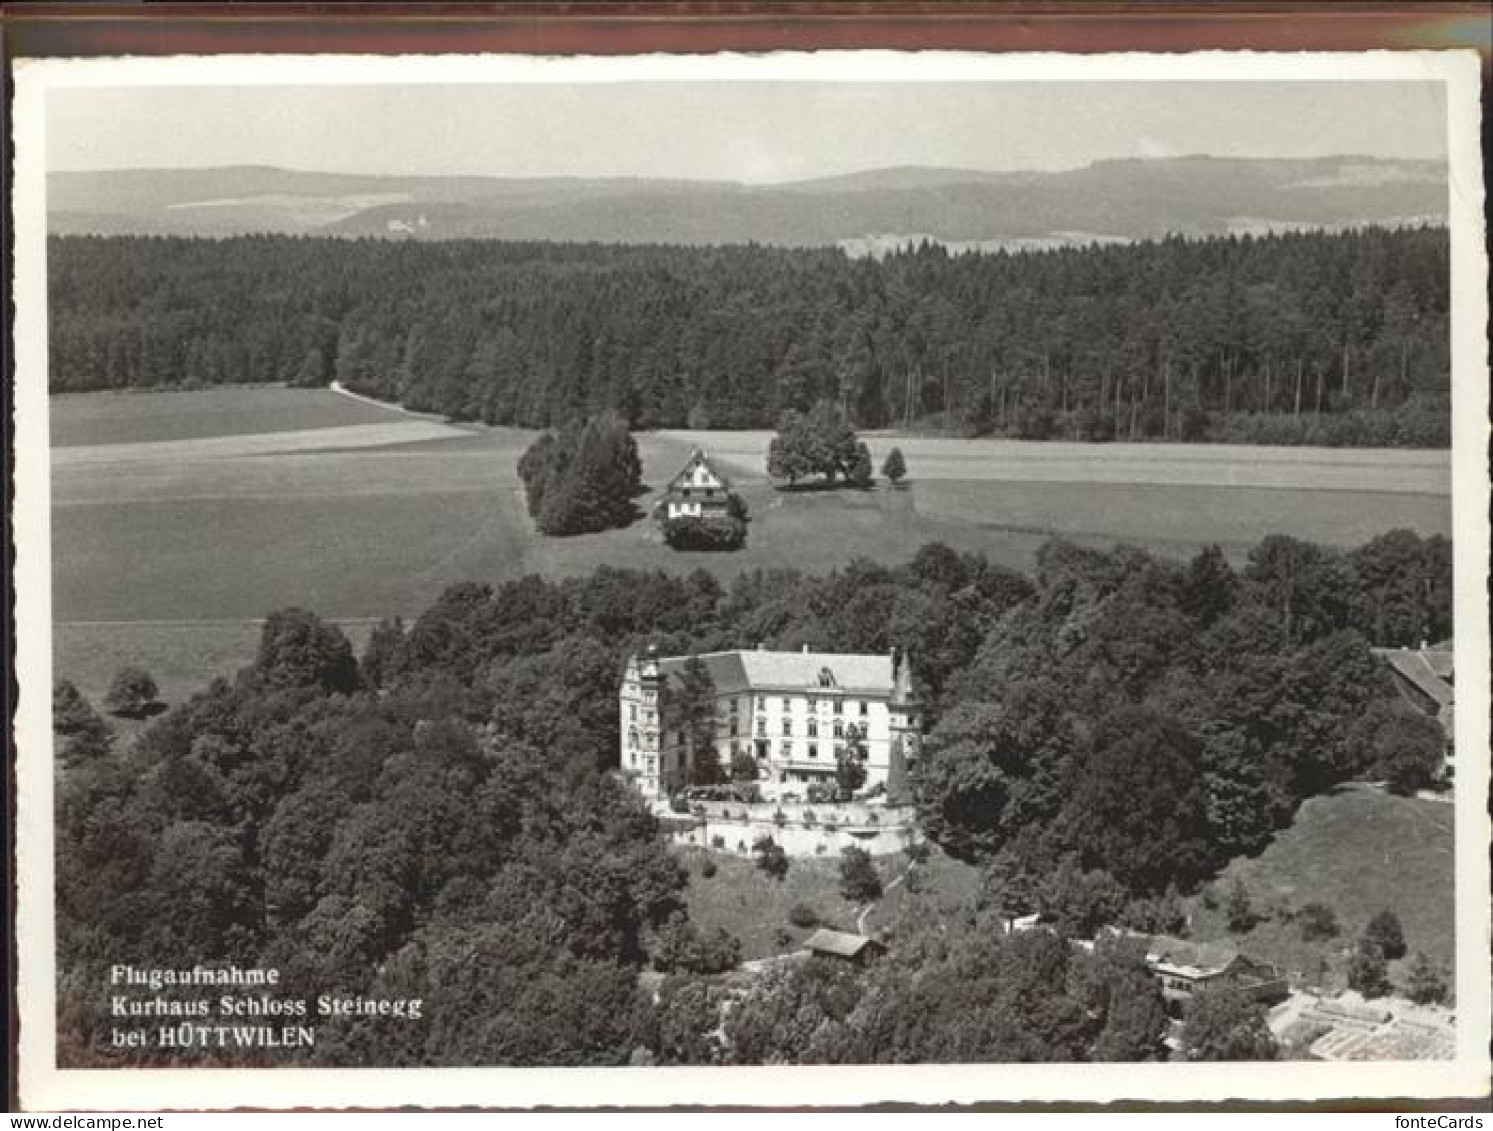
point(1359, 851)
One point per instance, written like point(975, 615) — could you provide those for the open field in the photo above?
point(1359, 851)
point(1202, 465)
point(139, 417)
point(754, 907)
point(220, 506)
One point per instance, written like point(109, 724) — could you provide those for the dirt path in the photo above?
point(338, 388)
point(860, 919)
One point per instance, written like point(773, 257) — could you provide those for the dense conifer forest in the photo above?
point(437, 819)
point(1298, 338)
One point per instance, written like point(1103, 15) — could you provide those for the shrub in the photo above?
point(770, 857)
point(132, 694)
point(1367, 972)
point(1425, 983)
point(686, 532)
point(918, 851)
point(1385, 933)
point(1238, 909)
point(1318, 921)
point(859, 881)
point(802, 915)
point(895, 466)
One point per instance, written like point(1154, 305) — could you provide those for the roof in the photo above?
point(1428, 670)
point(1193, 959)
point(696, 457)
point(840, 943)
point(758, 669)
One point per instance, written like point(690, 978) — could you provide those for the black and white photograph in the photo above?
point(792, 563)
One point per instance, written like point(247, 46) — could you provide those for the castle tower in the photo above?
point(905, 720)
point(639, 706)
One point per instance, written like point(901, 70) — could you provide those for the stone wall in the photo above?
point(802, 829)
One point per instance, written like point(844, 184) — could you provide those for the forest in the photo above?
point(1337, 339)
point(436, 818)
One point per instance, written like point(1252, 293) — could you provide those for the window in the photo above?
point(787, 727)
point(813, 750)
point(734, 727)
point(839, 706)
point(813, 704)
point(839, 729)
point(826, 678)
point(632, 736)
point(761, 728)
point(686, 492)
point(735, 706)
point(863, 706)
point(813, 727)
point(632, 712)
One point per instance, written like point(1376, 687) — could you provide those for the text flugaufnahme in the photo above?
point(229, 1008)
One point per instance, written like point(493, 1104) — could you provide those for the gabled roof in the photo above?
point(756, 670)
point(696, 458)
point(1192, 959)
point(839, 943)
point(1429, 671)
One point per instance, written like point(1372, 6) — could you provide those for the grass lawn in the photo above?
point(226, 529)
point(753, 907)
point(1358, 851)
point(945, 883)
point(139, 417)
point(183, 657)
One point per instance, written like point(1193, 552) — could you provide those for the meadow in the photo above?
point(180, 518)
point(1359, 851)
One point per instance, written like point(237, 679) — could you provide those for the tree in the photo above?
point(1317, 921)
point(770, 857)
point(582, 478)
point(1367, 970)
point(1225, 1024)
point(689, 710)
point(297, 649)
point(1238, 909)
point(1401, 745)
point(859, 882)
point(132, 693)
point(860, 472)
point(683, 948)
point(820, 442)
point(850, 774)
point(71, 712)
point(1385, 933)
point(84, 733)
point(894, 467)
point(1425, 984)
point(744, 766)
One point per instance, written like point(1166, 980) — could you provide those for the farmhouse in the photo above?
point(842, 946)
point(1183, 968)
point(795, 713)
point(1424, 677)
point(698, 491)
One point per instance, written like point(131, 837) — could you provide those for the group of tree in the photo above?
point(1338, 338)
point(437, 819)
point(820, 443)
point(583, 477)
point(1143, 721)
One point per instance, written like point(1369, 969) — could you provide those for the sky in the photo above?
point(754, 132)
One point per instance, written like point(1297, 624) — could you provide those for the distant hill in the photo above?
point(867, 212)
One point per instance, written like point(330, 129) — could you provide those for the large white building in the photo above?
point(795, 713)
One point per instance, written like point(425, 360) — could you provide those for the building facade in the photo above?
point(795, 714)
point(698, 491)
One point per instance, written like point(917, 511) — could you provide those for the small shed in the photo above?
point(844, 946)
